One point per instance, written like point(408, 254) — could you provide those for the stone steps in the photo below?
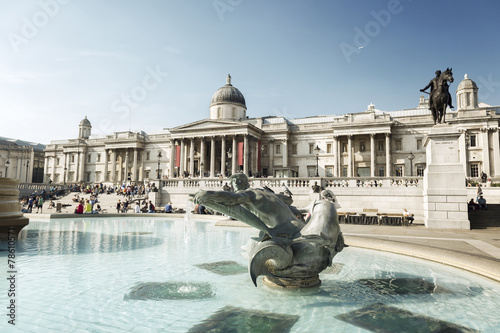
point(485, 218)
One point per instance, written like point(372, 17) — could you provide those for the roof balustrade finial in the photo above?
point(228, 79)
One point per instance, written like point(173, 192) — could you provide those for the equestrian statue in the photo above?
point(439, 96)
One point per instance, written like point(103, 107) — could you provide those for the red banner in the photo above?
point(178, 156)
point(240, 153)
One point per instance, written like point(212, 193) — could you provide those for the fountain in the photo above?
point(290, 252)
point(11, 217)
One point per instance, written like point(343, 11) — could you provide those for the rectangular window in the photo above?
point(311, 148)
point(329, 171)
point(474, 170)
point(467, 98)
point(98, 157)
point(146, 174)
point(58, 161)
point(278, 149)
point(399, 145)
point(381, 171)
point(399, 171)
point(419, 144)
point(344, 171)
point(147, 156)
point(73, 158)
point(108, 176)
point(473, 141)
point(97, 176)
point(362, 147)
point(311, 171)
point(328, 148)
point(294, 149)
point(88, 177)
point(420, 170)
point(89, 157)
point(381, 146)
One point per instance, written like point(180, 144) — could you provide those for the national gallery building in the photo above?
point(371, 143)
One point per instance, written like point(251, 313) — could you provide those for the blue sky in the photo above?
point(149, 65)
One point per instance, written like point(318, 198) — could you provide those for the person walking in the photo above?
point(39, 205)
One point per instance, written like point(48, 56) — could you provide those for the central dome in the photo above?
point(228, 95)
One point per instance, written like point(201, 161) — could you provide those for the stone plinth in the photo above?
point(11, 217)
point(445, 195)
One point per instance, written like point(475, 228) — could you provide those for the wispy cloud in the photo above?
point(101, 54)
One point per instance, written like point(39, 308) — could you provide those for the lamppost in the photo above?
point(316, 151)
point(411, 157)
point(202, 170)
point(159, 159)
point(6, 167)
point(64, 178)
point(27, 169)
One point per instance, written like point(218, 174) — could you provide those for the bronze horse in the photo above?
point(440, 98)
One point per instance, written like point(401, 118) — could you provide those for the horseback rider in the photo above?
point(433, 84)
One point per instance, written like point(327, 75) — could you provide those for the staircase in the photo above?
point(485, 218)
point(107, 202)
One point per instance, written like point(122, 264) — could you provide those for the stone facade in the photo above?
point(371, 143)
point(22, 160)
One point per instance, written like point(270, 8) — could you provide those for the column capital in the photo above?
point(372, 135)
point(271, 140)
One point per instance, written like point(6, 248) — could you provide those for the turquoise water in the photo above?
point(156, 275)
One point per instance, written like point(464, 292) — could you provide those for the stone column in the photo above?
point(387, 155)
point(223, 157)
point(126, 164)
point(172, 159)
point(245, 154)
point(191, 157)
point(45, 169)
point(66, 165)
point(336, 156)
point(349, 156)
point(234, 159)
point(496, 153)
point(113, 166)
point(373, 156)
point(212, 156)
point(486, 151)
point(134, 172)
point(181, 162)
point(105, 176)
point(270, 153)
point(202, 156)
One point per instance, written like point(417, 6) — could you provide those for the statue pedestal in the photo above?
point(11, 217)
point(445, 195)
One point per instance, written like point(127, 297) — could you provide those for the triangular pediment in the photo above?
point(209, 124)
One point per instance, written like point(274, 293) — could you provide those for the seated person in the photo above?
point(409, 217)
point(79, 208)
point(482, 203)
point(472, 205)
point(51, 204)
point(97, 208)
point(168, 208)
